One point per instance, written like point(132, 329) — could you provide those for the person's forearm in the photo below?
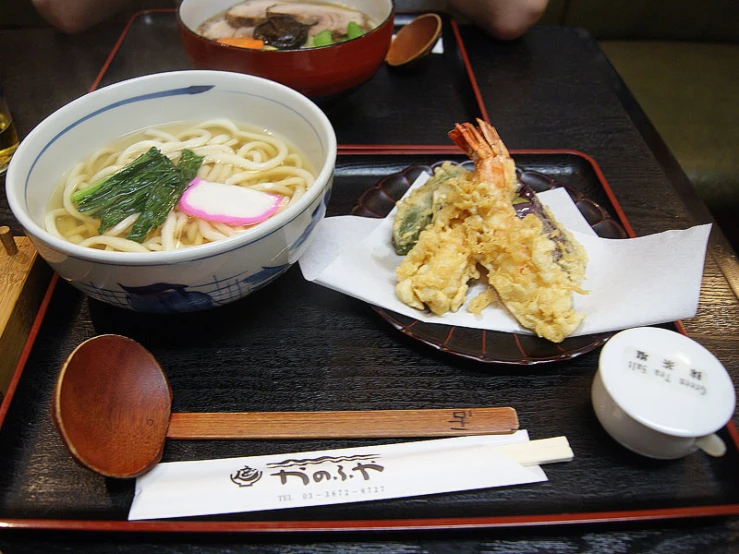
point(74, 16)
point(503, 19)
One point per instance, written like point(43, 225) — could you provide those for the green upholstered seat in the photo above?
point(680, 60)
point(690, 92)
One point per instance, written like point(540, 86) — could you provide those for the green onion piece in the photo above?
point(323, 38)
point(353, 30)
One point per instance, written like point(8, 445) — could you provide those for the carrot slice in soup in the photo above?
point(243, 42)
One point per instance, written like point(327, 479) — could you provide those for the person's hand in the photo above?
point(75, 16)
point(503, 19)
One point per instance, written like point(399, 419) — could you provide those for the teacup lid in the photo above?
point(667, 381)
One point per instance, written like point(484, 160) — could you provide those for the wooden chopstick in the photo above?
point(445, 422)
point(537, 452)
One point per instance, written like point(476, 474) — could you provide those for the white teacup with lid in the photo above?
point(661, 394)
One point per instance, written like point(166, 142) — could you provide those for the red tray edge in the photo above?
point(623, 516)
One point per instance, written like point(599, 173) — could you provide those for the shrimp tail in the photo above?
point(483, 145)
point(478, 144)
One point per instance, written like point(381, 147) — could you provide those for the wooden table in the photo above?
point(552, 91)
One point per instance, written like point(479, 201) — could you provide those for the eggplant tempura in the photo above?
point(468, 221)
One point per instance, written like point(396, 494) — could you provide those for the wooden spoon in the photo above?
point(415, 40)
point(112, 407)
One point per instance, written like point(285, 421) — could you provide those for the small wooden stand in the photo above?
point(24, 277)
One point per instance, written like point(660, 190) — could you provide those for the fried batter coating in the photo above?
point(417, 209)
point(533, 275)
point(437, 270)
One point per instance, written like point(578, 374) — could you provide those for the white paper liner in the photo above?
point(631, 282)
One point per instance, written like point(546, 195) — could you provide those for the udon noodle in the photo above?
point(232, 155)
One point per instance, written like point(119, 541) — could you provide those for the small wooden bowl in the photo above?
point(415, 40)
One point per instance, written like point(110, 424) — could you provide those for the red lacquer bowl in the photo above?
point(319, 73)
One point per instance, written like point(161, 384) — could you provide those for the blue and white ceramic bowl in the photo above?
point(195, 278)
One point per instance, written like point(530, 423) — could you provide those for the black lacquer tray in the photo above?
point(298, 346)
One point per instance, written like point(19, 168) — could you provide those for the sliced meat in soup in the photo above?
point(320, 17)
point(250, 13)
